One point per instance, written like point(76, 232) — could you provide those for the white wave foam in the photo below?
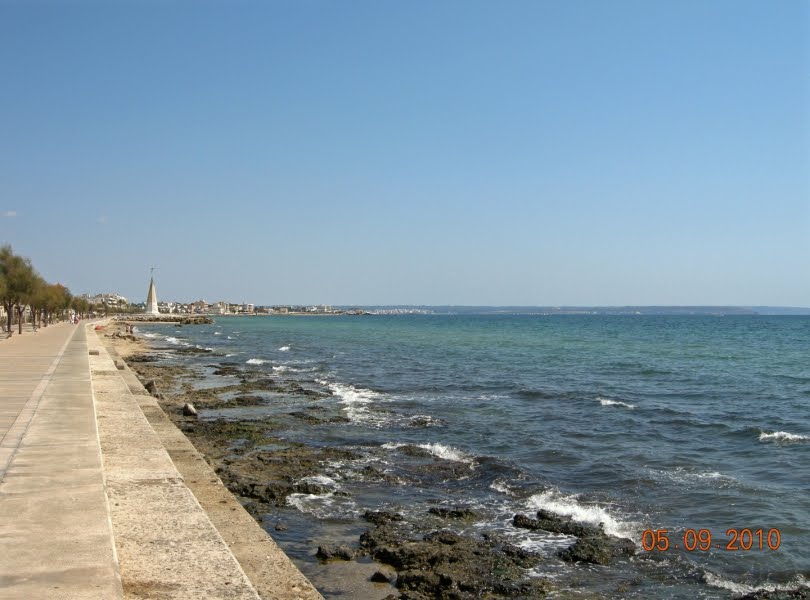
point(229, 337)
point(173, 340)
point(217, 333)
point(742, 588)
point(593, 514)
point(608, 402)
point(437, 450)
point(684, 476)
point(327, 506)
point(447, 452)
point(284, 349)
point(320, 480)
point(151, 335)
point(782, 436)
point(355, 401)
point(500, 486)
point(284, 369)
point(255, 361)
point(426, 421)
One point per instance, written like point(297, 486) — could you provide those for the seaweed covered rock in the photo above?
point(448, 565)
point(592, 546)
point(597, 549)
point(462, 514)
point(329, 553)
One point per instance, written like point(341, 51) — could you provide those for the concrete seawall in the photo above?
point(101, 496)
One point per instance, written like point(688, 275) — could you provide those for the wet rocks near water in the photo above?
point(553, 523)
point(193, 350)
point(597, 549)
point(267, 478)
point(152, 388)
point(124, 336)
point(426, 421)
point(227, 370)
point(189, 410)
point(525, 558)
point(381, 517)
point(463, 514)
point(592, 546)
point(444, 564)
point(342, 552)
point(380, 577)
point(141, 358)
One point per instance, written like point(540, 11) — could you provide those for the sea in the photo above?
point(696, 425)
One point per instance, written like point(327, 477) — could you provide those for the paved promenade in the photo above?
point(92, 506)
point(55, 534)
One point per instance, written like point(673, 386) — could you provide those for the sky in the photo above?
point(420, 152)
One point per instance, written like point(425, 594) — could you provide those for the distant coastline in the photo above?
point(372, 310)
point(590, 310)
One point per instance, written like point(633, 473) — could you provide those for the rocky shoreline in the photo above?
point(434, 556)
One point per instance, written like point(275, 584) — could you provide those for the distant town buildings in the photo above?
point(111, 301)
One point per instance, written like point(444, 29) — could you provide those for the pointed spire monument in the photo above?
point(151, 296)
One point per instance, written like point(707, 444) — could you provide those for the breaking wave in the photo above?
point(740, 588)
point(437, 450)
point(608, 402)
point(592, 514)
point(355, 401)
point(782, 436)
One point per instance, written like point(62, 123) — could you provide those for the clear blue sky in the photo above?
point(379, 152)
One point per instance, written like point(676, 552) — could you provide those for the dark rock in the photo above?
point(141, 358)
point(226, 370)
point(305, 417)
point(548, 521)
point(525, 558)
point(597, 549)
point(151, 387)
point(342, 552)
point(280, 526)
point(375, 474)
point(380, 577)
point(464, 514)
point(415, 451)
point(446, 565)
point(447, 538)
point(307, 487)
point(189, 410)
point(417, 579)
point(380, 517)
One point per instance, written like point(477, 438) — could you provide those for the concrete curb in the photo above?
point(167, 546)
point(271, 573)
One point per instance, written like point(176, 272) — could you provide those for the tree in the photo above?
point(37, 300)
point(19, 277)
point(59, 300)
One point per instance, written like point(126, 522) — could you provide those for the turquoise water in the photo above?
point(637, 422)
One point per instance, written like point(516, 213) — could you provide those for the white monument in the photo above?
point(151, 297)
